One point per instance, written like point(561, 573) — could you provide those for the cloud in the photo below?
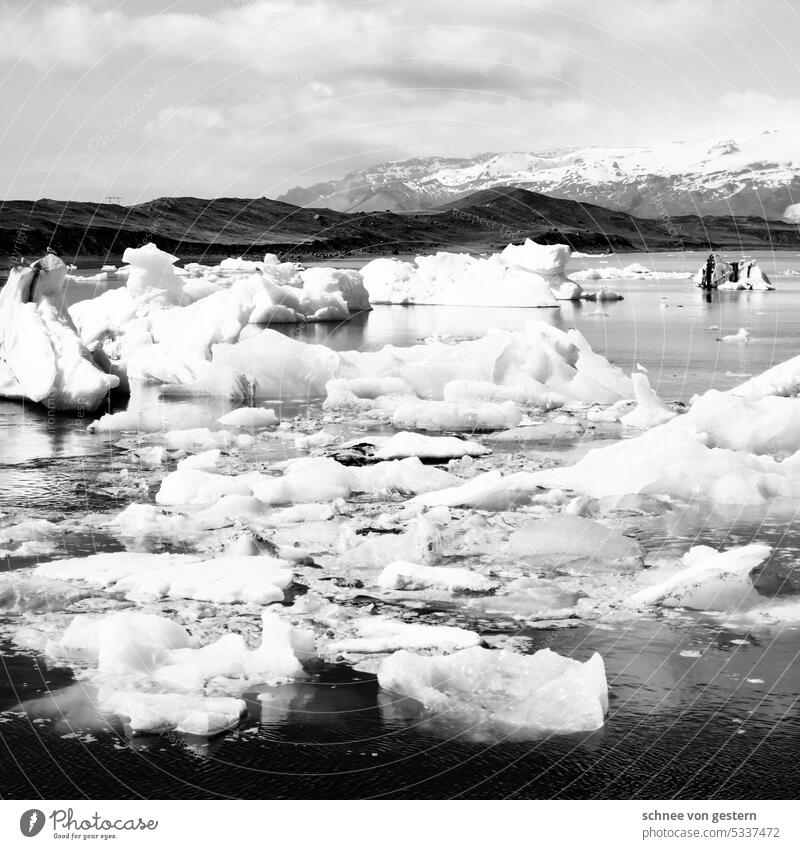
point(313, 88)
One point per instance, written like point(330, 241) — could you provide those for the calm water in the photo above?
point(678, 726)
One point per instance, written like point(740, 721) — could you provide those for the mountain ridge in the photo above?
point(196, 228)
point(758, 175)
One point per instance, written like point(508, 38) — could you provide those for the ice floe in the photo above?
point(710, 580)
point(403, 575)
point(539, 693)
point(409, 444)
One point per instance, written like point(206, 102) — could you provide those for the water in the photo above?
point(679, 726)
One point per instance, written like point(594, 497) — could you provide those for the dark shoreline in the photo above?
point(196, 229)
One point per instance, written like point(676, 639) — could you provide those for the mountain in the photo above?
point(759, 176)
point(194, 228)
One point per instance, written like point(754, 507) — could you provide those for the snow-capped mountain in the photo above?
point(759, 176)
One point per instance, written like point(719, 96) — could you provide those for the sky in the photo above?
point(140, 99)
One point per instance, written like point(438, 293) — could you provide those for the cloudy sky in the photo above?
point(142, 99)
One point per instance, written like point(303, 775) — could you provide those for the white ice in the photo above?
point(538, 693)
point(43, 357)
point(710, 580)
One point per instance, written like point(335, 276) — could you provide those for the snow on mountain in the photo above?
point(759, 175)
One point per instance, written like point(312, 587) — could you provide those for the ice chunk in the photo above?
point(154, 713)
point(199, 487)
point(142, 520)
point(673, 461)
point(104, 570)
point(569, 542)
point(442, 416)
point(32, 529)
point(223, 580)
point(742, 335)
point(276, 659)
point(43, 357)
point(204, 460)
point(768, 425)
point(266, 366)
point(122, 643)
point(487, 491)
point(304, 480)
point(149, 577)
point(375, 634)
point(229, 509)
point(145, 650)
point(151, 277)
point(402, 575)
point(344, 281)
point(408, 444)
point(251, 418)
point(650, 409)
point(541, 693)
point(460, 279)
point(569, 290)
point(711, 580)
point(323, 479)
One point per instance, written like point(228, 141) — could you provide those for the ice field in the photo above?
point(350, 536)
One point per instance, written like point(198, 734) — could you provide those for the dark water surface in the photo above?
point(721, 725)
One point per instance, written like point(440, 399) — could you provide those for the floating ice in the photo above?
point(402, 575)
point(408, 444)
point(251, 418)
point(199, 487)
point(487, 491)
point(677, 463)
point(224, 580)
point(324, 479)
point(633, 271)
point(508, 279)
point(570, 543)
point(540, 693)
point(149, 577)
point(570, 290)
point(742, 335)
point(650, 409)
point(711, 580)
point(375, 634)
point(150, 276)
point(122, 643)
point(717, 450)
point(443, 416)
point(154, 713)
point(276, 659)
point(43, 357)
point(146, 651)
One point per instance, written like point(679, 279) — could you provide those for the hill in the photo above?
point(199, 229)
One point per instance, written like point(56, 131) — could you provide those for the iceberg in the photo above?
point(42, 357)
point(541, 693)
point(508, 279)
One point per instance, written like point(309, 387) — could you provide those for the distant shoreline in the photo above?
point(356, 260)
